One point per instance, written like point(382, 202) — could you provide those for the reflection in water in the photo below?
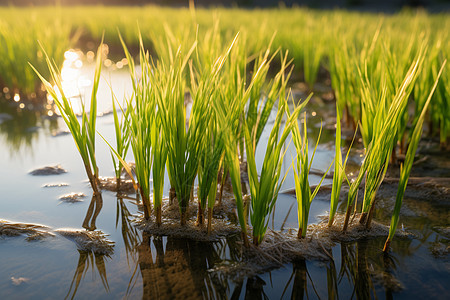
point(178, 270)
point(129, 232)
point(19, 127)
point(88, 260)
point(94, 209)
point(365, 271)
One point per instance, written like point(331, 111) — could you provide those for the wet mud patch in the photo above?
point(32, 232)
point(72, 198)
point(425, 197)
point(222, 225)
point(90, 241)
point(110, 184)
point(53, 185)
point(221, 228)
point(48, 170)
point(281, 247)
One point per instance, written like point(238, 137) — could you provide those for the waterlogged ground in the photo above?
point(139, 265)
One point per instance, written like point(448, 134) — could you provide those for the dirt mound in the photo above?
point(90, 241)
point(49, 170)
point(31, 231)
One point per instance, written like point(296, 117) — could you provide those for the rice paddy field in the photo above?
point(186, 153)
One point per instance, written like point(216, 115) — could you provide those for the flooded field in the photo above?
point(58, 260)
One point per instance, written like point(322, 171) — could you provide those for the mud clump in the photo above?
point(33, 232)
point(221, 228)
point(279, 248)
point(110, 184)
point(90, 241)
point(221, 225)
point(52, 185)
point(72, 198)
point(49, 170)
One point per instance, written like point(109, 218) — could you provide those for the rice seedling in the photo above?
point(264, 189)
point(183, 146)
point(210, 163)
point(339, 169)
point(301, 176)
point(122, 140)
point(379, 151)
point(82, 132)
point(141, 117)
point(232, 162)
point(229, 107)
point(405, 169)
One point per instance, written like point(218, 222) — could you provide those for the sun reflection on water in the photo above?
point(74, 83)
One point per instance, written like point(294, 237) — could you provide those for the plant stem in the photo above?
point(158, 215)
point(362, 219)
point(370, 216)
point(386, 246)
point(200, 215)
point(347, 217)
point(145, 203)
point(299, 234)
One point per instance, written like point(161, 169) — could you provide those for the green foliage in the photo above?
point(82, 132)
point(264, 188)
point(405, 169)
point(384, 138)
point(301, 176)
point(339, 169)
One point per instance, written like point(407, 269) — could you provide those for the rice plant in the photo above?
point(82, 132)
point(207, 89)
point(339, 169)
point(405, 169)
point(122, 140)
point(141, 115)
point(379, 151)
point(183, 145)
point(301, 176)
point(264, 189)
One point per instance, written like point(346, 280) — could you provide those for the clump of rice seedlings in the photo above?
point(301, 176)
point(264, 188)
point(229, 107)
point(183, 145)
point(375, 164)
point(339, 170)
point(211, 156)
point(82, 132)
point(405, 169)
point(141, 116)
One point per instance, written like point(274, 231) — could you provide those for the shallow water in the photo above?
point(167, 267)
